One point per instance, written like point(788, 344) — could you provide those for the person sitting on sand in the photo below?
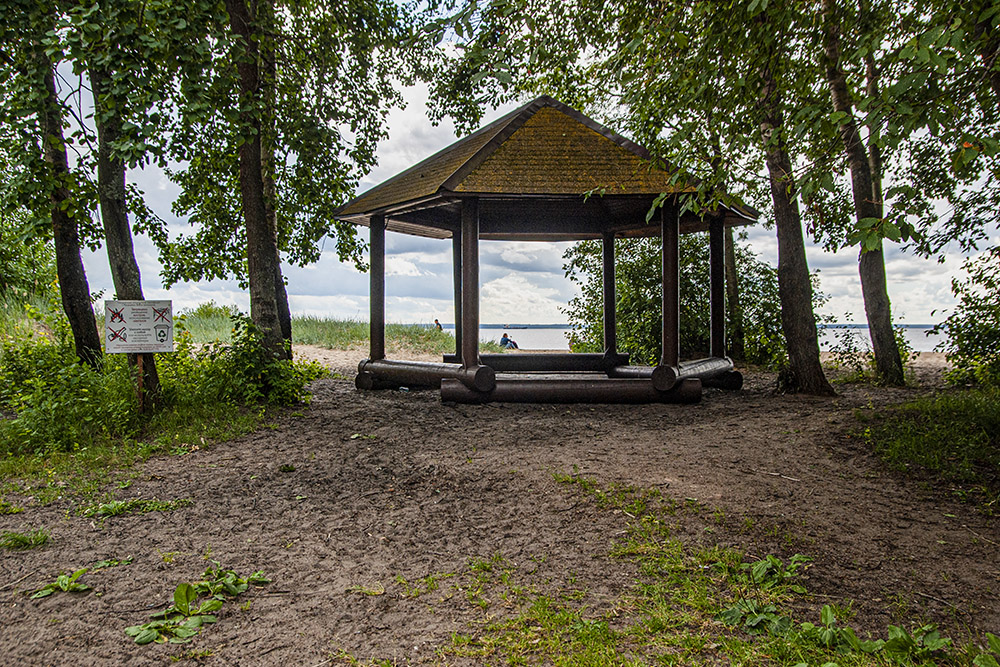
point(507, 343)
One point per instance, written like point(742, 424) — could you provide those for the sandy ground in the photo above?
point(337, 501)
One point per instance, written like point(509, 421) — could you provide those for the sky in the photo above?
point(520, 282)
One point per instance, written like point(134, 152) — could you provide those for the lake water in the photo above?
point(555, 337)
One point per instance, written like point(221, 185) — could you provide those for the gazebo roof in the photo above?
point(542, 172)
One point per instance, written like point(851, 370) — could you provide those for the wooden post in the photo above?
point(610, 332)
point(470, 282)
point(717, 287)
point(140, 385)
point(670, 242)
point(456, 262)
point(377, 289)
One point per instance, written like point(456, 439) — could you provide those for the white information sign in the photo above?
point(138, 326)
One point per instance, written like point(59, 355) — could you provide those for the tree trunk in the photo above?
point(117, 233)
point(262, 252)
point(267, 86)
point(73, 286)
point(737, 345)
point(794, 287)
point(888, 363)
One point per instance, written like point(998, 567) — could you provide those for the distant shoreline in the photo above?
point(447, 325)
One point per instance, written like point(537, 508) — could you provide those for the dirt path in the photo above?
point(397, 484)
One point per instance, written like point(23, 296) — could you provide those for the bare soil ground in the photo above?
point(397, 484)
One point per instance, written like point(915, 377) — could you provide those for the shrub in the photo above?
point(253, 375)
point(973, 345)
point(58, 404)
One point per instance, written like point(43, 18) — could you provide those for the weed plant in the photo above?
point(66, 583)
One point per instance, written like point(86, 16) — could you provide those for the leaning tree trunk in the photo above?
point(73, 286)
point(794, 287)
point(888, 363)
point(262, 252)
point(117, 233)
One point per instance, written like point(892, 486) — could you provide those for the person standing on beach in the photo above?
point(437, 325)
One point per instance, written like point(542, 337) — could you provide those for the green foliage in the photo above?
point(60, 405)
point(320, 74)
point(111, 562)
point(987, 658)
point(14, 541)
point(184, 619)
point(179, 622)
point(953, 436)
point(67, 583)
point(9, 508)
point(27, 262)
point(250, 374)
point(973, 344)
point(221, 583)
point(924, 643)
point(827, 635)
point(638, 291)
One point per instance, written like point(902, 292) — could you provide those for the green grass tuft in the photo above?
point(13, 541)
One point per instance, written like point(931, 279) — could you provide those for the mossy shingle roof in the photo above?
point(543, 171)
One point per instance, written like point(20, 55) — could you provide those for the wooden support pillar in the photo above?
point(610, 331)
point(456, 263)
point(717, 287)
point(376, 245)
point(670, 240)
point(470, 282)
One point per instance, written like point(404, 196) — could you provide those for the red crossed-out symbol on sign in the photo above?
point(160, 314)
point(117, 315)
point(118, 335)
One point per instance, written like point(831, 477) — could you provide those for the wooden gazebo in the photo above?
point(544, 172)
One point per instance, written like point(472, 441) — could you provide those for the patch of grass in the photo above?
point(111, 562)
point(422, 586)
point(133, 506)
point(8, 508)
point(954, 436)
point(14, 541)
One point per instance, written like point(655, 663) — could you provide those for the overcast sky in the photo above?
point(521, 282)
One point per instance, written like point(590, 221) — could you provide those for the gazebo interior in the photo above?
point(545, 172)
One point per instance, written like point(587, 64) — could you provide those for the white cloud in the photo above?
point(400, 266)
point(518, 298)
